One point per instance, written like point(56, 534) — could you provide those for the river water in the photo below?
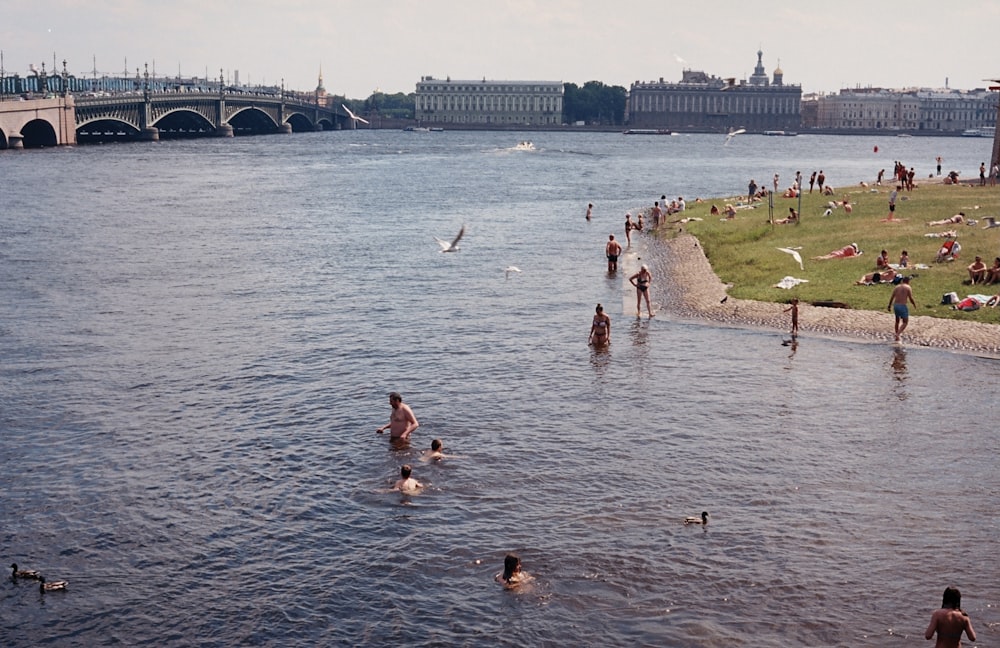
point(197, 339)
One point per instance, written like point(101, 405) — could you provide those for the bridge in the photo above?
point(143, 115)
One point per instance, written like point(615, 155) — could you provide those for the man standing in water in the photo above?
point(612, 250)
point(897, 304)
point(402, 422)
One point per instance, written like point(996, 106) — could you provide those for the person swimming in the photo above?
point(512, 575)
point(436, 452)
point(406, 483)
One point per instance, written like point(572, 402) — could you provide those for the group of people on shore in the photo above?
point(402, 423)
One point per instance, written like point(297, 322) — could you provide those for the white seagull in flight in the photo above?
point(795, 255)
point(354, 118)
point(733, 134)
point(453, 246)
point(510, 269)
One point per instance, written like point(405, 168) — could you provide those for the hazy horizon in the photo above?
point(388, 46)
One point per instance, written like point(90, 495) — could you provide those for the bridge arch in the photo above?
point(106, 130)
point(39, 133)
point(184, 122)
point(300, 123)
point(252, 121)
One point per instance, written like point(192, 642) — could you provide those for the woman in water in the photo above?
point(629, 226)
point(600, 330)
point(950, 622)
point(641, 281)
point(512, 576)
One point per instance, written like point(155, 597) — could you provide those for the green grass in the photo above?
point(742, 251)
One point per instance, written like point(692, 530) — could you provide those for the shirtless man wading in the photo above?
point(897, 304)
point(402, 422)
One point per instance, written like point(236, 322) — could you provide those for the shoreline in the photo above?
point(696, 292)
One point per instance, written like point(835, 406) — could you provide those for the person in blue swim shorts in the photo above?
point(901, 294)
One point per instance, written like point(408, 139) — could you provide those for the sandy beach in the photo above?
point(696, 292)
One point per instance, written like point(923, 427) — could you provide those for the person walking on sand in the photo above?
point(950, 621)
point(612, 250)
point(793, 308)
point(641, 281)
point(897, 304)
point(402, 422)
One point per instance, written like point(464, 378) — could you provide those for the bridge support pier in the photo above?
point(224, 130)
point(151, 134)
point(285, 129)
point(15, 141)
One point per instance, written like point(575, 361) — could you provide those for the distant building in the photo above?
point(708, 103)
point(926, 110)
point(504, 103)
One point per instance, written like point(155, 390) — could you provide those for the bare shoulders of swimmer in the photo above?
point(406, 483)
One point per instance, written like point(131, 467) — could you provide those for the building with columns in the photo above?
point(486, 102)
point(700, 102)
point(917, 110)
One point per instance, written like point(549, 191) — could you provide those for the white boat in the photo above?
point(526, 145)
point(647, 131)
point(417, 129)
point(985, 131)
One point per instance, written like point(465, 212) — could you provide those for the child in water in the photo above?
point(794, 309)
point(435, 453)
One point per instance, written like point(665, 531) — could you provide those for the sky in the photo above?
point(388, 45)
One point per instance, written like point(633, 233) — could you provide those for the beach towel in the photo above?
point(948, 234)
point(790, 282)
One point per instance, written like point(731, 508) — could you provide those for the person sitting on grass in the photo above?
point(793, 217)
point(993, 273)
point(949, 251)
point(882, 261)
point(977, 271)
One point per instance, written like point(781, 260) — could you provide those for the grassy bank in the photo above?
point(743, 251)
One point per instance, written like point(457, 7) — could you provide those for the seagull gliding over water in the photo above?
point(453, 246)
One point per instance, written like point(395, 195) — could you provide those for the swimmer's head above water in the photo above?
point(511, 565)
